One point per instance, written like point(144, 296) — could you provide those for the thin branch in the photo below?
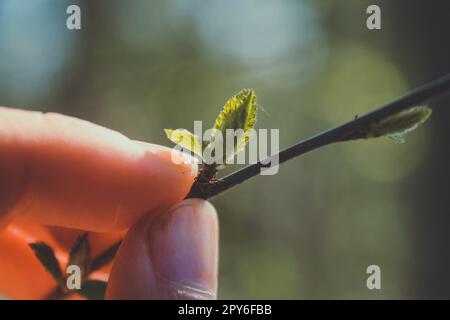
point(352, 130)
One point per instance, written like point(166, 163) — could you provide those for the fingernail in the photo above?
point(184, 250)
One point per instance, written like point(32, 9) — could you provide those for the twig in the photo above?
point(352, 130)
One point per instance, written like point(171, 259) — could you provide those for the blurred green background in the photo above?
point(311, 230)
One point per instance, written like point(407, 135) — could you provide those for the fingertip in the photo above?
point(170, 256)
point(183, 165)
point(164, 175)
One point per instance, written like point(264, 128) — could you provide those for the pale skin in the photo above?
point(60, 171)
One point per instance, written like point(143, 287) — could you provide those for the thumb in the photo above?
point(169, 256)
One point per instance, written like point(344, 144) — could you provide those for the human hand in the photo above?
point(61, 171)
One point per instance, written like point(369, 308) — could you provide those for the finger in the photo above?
point(58, 170)
point(170, 256)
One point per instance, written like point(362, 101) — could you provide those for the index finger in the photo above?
point(59, 170)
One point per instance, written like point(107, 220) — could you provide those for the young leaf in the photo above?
point(397, 125)
point(80, 254)
point(46, 256)
point(238, 113)
point(185, 139)
point(93, 289)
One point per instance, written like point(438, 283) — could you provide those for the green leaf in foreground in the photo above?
point(46, 256)
point(239, 113)
point(80, 254)
point(185, 139)
point(397, 125)
point(93, 289)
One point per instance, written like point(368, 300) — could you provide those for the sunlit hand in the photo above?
point(61, 171)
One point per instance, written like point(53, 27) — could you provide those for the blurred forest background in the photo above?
point(311, 230)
